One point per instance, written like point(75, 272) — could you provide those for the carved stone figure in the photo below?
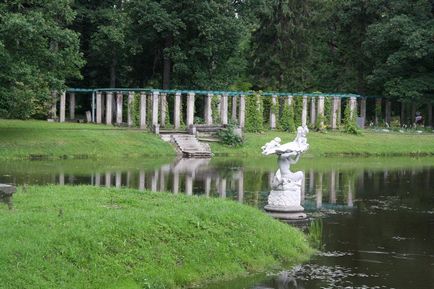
point(284, 201)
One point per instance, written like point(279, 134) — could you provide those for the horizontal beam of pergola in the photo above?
point(214, 92)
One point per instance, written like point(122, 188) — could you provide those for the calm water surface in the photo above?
point(377, 216)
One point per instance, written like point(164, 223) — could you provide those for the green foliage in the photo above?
point(287, 118)
point(124, 238)
point(254, 113)
point(315, 234)
point(136, 110)
point(215, 103)
point(38, 53)
point(228, 136)
point(298, 108)
point(350, 125)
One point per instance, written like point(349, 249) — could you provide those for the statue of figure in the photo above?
point(286, 185)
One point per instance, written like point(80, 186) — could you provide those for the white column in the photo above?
point(207, 185)
point(289, 100)
point(53, 109)
point(71, 105)
point(272, 112)
point(312, 111)
point(177, 110)
point(224, 109)
point(222, 188)
point(98, 107)
point(175, 184)
point(190, 108)
point(119, 101)
point(155, 97)
point(333, 121)
point(130, 108)
point(353, 107)
point(234, 108)
point(62, 179)
point(108, 179)
point(188, 185)
point(163, 111)
point(154, 181)
point(363, 108)
point(333, 187)
point(208, 109)
point(339, 120)
point(304, 112)
point(142, 180)
point(320, 114)
point(62, 106)
point(242, 114)
point(142, 110)
point(318, 193)
point(241, 187)
point(162, 182)
point(97, 179)
point(108, 110)
point(118, 180)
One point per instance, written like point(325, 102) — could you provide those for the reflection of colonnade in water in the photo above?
point(332, 188)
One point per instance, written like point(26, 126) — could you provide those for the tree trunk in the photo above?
point(167, 64)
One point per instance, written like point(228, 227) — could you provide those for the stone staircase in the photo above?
point(190, 146)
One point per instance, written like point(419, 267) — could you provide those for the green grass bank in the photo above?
point(334, 144)
point(88, 237)
point(45, 140)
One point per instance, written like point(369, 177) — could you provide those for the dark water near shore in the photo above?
point(377, 216)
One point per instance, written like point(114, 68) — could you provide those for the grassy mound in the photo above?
point(41, 139)
point(89, 237)
point(340, 144)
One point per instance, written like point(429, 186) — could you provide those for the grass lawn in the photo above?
point(41, 139)
point(340, 144)
point(90, 237)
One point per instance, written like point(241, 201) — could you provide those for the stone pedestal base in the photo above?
point(287, 214)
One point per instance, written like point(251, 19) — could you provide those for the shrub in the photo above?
point(229, 137)
point(350, 125)
point(254, 113)
point(287, 118)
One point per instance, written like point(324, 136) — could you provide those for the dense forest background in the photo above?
point(369, 47)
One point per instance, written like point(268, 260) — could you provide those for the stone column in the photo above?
point(242, 113)
point(289, 100)
point(350, 194)
point(224, 109)
point(142, 110)
point(353, 107)
point(222, 188)
point(118, 180)
point(388, 113)
point(320, 114)
point(108, 179)
point(318, 192)
point(155, 97)
point(175, 184)
point(142, 180)
point(312, 111)
point(162, 182)
point(333, 187)
point(154, 181)
point(62, 106)
point(177, 110)
point(72, 105)
point(130, 108)
point(234, 108)
point(377, 110)
point(119, 101)
point(97, 179)
point(190, 108)
point(272, 112)
point(240, 188)
point(304, 112)
point(363, 108)
point(207, 185)
point(98, 107)
point(429, 115)
point(339, 120)
point(108, 110)
point(334, 117)
point(188, 185)
point(62, 179)
point(163, 103)
point(208, 109)
point(53, 110)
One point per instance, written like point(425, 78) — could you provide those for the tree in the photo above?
point(37, 54)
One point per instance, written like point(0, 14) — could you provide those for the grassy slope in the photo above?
point(21, 139)
point(338, 144)
point(88, 237)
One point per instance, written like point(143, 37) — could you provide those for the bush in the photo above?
point(287, 118)
point(229, 137)
point(350, 125)
point(254, 113)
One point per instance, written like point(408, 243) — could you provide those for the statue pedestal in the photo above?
point(285, 205)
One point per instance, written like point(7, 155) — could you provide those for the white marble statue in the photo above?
point(286, 185)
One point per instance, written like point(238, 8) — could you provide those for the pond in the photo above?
point(376, 215)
